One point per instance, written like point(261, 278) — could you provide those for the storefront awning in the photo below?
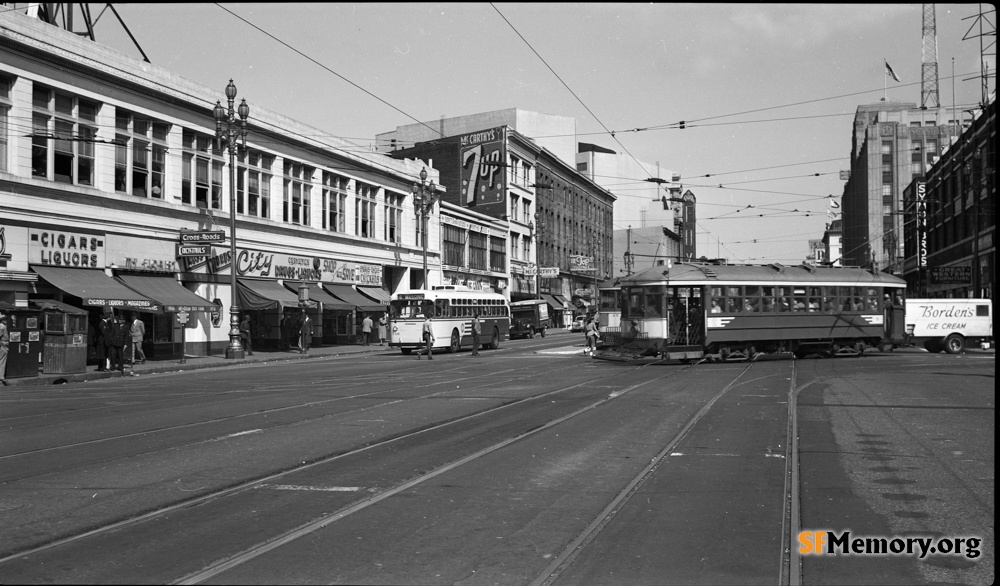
point(316, 293)
point(347, 294)
point(561, 300)
point(552, 301)
point(52, 304)
point(170, 294)
point(376, 294)
point(95, 288)
point(259, 294)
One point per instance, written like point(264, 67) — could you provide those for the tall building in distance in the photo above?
point(892, 143)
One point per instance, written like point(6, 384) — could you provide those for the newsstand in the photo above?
point(23, 326)
point(65, 332)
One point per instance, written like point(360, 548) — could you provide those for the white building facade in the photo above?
point(105, 161)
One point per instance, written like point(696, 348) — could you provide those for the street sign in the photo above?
point(193, 250)
point(202, 237)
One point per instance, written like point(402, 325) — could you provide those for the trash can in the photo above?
point(24, 351)
point(65, 333)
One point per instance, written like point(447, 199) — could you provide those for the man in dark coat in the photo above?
point(120, 336)
point(103, 344)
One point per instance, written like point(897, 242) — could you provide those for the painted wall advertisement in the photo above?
point(270, 265)
point(484, 177)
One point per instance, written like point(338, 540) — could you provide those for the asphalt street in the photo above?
point(531, 464)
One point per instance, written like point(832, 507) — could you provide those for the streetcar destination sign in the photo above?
point(201, 237)
point(194, 250)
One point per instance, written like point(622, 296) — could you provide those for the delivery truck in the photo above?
point(949, 324)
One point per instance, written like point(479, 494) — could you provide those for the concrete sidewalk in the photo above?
point(197, 363)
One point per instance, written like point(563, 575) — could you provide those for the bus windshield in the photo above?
point(411, 308)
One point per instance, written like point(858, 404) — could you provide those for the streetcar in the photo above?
point(451, 309)
point(689, 311)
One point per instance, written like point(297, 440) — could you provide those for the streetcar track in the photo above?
point(265, 412)
point(251, 553)
point(243, 485)
point(565, 559)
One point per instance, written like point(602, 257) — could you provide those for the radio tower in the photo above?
point(929, 69)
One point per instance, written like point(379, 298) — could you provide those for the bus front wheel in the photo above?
point(495, 342)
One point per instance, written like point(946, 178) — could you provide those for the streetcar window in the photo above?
point(654, 302)
point(799, 299)
point(873, 300)
point(782, 299)
point(635, 303)
point(814, 299)
point(751, 302)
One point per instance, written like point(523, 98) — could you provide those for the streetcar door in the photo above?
point(895, 322)
point(686, 319)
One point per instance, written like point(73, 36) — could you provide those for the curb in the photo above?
point(45, 380)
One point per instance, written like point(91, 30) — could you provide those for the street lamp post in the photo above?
point(424, 196)
point(228, 129)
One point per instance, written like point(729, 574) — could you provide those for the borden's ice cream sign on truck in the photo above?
point(947, 324)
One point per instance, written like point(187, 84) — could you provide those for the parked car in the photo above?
point(579, 324)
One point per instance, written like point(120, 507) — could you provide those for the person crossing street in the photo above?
point(477, 332)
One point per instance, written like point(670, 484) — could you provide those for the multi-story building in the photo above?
point(892, 142)
point(645, 248)
point(832, 244)
point(559, 220)
point(951, 217)
point(106, 161)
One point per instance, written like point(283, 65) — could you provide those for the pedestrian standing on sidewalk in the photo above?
point(104, 341)
point(138, 331)
point(119, 339)
point(428, 334)
point(383, 322)
point(366, 329)
point(477, 332)
point(305, 332)
point(4, 344)
point(245, 335)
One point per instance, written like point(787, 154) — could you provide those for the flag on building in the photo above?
point(889, 70)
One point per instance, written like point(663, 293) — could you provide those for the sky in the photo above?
point(767, 91)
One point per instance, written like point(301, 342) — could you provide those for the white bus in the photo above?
point(451, 312)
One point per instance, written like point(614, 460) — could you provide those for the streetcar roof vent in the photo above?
point(777, 266)
point(709, 272)
point(809, 266)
